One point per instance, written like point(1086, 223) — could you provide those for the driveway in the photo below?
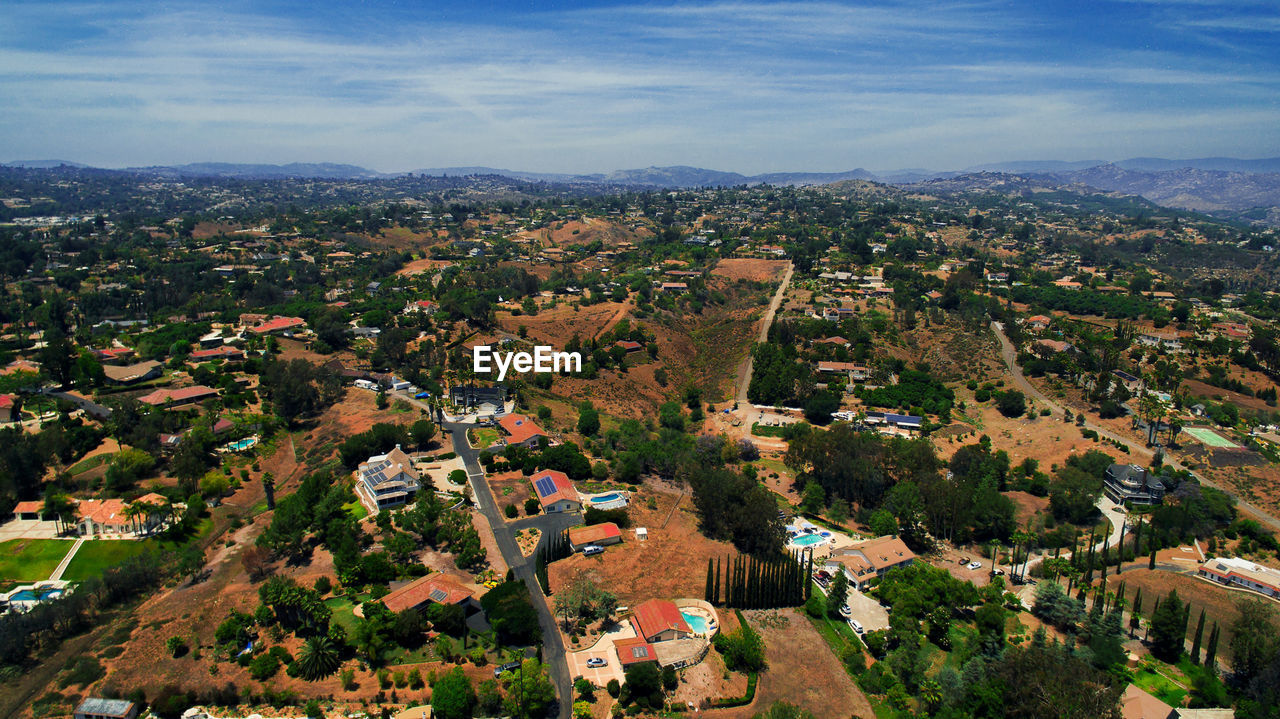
point(28, 529)
point(867, 611)
point(603, 649)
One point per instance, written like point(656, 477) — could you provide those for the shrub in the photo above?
point(323, 585)
point(532, 506)
point(614, 688)
point(511, 511)
point(264, 666)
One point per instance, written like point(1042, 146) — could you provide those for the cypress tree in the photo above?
point(706, 593)
point(716, 591)
point(1212, 651)
point(1134, 618)
point(1195, 641)
point(1152, 563)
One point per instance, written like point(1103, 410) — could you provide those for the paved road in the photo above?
point(744, 371)
point(1010, 359)
point(553, 653)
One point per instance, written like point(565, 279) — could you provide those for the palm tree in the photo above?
point(318, 658)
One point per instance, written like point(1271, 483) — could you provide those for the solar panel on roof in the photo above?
point(545, 486)
point(438, 595)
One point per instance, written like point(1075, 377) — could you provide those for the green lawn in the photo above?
point(31, 560)
point(342, 608)
point(97, 554)
point(355, 508)
point(85, 465)
point(1163, 688)
point(482, 437)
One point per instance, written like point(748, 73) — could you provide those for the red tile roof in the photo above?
point(579, 536)
point(6, 401)
point(27, 507)
point(628, 345)
point(217, 353)
point(658, 615)
point(520, 428)
point(439, 587)
point(563, 487)
point(276, 324)
point(633, 650)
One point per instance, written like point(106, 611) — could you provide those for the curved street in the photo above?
point(1009, 355)
point(553, 654)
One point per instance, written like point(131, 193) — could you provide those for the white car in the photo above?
point(597, 662)
point(845, 611)
point(975, 565)
point(857, 627)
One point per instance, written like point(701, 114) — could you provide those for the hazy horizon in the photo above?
point(590, 87)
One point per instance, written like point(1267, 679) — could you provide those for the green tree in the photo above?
point(814, 499)
point(1168, 629)
point(883, 523)
point(838, 594)
point(452, 697)
point(318, 658)
point(530, 692)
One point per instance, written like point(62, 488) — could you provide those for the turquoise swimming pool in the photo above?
point(806, 540)
point(35, 595)
point(696, 622)
point(243, 444)
point(610, 497)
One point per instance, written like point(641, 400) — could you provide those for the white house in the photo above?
point(387, 480)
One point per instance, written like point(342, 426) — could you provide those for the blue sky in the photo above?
point(595, 86)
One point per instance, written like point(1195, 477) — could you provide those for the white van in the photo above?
point(857, 627)
point(592, 549)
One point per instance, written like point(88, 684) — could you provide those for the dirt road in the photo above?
point(744, 371)
point(1010, 360)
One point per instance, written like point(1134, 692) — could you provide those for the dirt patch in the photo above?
point(750, 269)
point(511, 488)
point(670, 564)
point(802, 671)
point(1027, 506)
point(417, 267)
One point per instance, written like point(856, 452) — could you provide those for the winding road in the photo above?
point(553, 652)
point(1009, 355)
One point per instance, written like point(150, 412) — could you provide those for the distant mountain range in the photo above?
point(1246, 189)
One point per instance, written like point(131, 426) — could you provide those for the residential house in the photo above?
point(598, 534)
point(1053, 347)
point(634, 650)
point(28, 510)
point(852, 370)
point(869, 559)
point(556, 492)
point(659, 620)
point(674, 287)
point(113, 355)
point(132, 374)
point(521, 430)
point(229, 354)
point(473, 396)
point(387, 480)
point(1038, 323)
point(8, 408)
point(1131, 483)
point(837, 341)
point(413, 307)
point(907, 422)
point(1138, 704)
point(435, 588)
point(629, 345)
point(95, 708)
point(178, 397)
point(1237, 572)
point(286, 326)
point(1128, 381)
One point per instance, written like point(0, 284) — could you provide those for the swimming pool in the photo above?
point(610, 497)
point(243, 444)
point(35, 595)
point(696, 622)
point(806, 540)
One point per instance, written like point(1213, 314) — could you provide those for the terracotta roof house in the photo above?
point(8, 406)
point(178, 397)
point(113, 355)
point(387, 480)
point(278, 325)
point(856, 372)
point(629, 345)
point(837, 340)
point(1055, 346)
point(1039, 322)
point(1137, 704)
point(599, 534)
point(869, 559)
point(438, 588)
point(416, 306)
point(555, 491)
point(674, 287)
point(633, 650)
point(521, 430)
point(222, 353)
point(659, 620)
point(28, 510)
point(131, 374)
point(109, 516)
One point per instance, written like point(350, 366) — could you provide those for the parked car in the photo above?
point(975, 565)
point(964, 560)
point(422, 395)
point(597, 662)
point(502, 668)
point(592, 549)
point(996, 572)
point(857, 627)
point(845, 611)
